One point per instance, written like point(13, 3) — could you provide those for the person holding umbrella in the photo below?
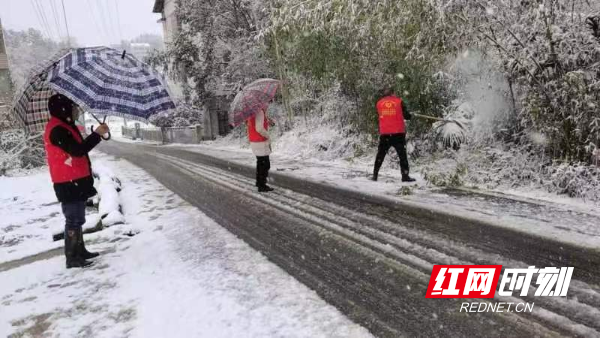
point(392, 130)
point(250, 106)
point(130, 88)
point(260, 143)
point(71, 172)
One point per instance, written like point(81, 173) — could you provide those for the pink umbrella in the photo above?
point(252, 99)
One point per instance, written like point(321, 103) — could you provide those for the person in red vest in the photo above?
point(392, 130)
point(258, 134)
point(71, 172)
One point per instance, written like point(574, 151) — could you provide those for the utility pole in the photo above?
point(66, 24)
point(6, 85)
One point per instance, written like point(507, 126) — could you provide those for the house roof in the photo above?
point(159, 5)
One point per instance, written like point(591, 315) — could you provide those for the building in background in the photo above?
point(140, 50)
point(215, 117)
point(168, 18)
point(6, 86)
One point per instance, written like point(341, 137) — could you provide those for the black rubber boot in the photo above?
point(406, 178)
point(83, 253)
point(72, 250)
point(265, 188)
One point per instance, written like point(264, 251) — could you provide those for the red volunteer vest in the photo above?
point(391, 117)
point(253, 135)
point(63, 167)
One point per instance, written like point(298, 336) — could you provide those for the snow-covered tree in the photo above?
point(550, 53)
point(26, 49)
point(364, 46)
point(215, 46)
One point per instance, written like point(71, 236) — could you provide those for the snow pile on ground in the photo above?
point(169, 272)
point(108, 187)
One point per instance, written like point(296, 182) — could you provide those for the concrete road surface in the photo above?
point(372, 258)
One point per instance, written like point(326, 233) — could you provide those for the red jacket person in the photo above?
point(392, 130)
point(258, 135)
point(71, 172)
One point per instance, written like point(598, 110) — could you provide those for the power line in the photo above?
point(95, 19)
point(110, 19)
point(66, 24)
point(56, 17)
point(45, 18)
point(119, 20)
point(43, 28)
point(103, 18)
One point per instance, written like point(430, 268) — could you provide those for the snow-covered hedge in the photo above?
point(182, 116)
point(496, 167)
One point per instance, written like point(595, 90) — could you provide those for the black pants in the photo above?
point(74, 214)
point(263, 164)
point(398, 141)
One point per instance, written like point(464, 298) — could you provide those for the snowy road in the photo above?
point(372, 258)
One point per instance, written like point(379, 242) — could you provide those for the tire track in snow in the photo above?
point(404, 252)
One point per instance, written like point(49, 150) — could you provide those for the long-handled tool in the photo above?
point(103, 121)
point(433, 118)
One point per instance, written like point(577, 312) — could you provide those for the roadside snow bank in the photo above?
point(108, 186)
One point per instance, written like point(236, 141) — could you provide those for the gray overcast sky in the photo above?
point(91, 22)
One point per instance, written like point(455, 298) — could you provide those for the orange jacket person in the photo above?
point(392, 130)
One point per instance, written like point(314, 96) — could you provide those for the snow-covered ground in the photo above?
point(168, 272)
point(568, 220)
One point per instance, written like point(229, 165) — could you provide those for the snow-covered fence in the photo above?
point(186, 135)
point(129, 133)
point(151, 135)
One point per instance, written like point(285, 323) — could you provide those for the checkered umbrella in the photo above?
point(101, 80)
point(31, 102)
point(252, 99)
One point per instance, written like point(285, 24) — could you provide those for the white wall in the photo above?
point(170, 25)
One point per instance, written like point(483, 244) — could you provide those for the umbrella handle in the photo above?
point(102, 136)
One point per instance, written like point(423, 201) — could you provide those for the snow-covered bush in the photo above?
point(19, 151)
point(363, 46)
point(182, 116)
point(548, 51)
point(323, 132)
point(11, 143)
point(497, 167)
